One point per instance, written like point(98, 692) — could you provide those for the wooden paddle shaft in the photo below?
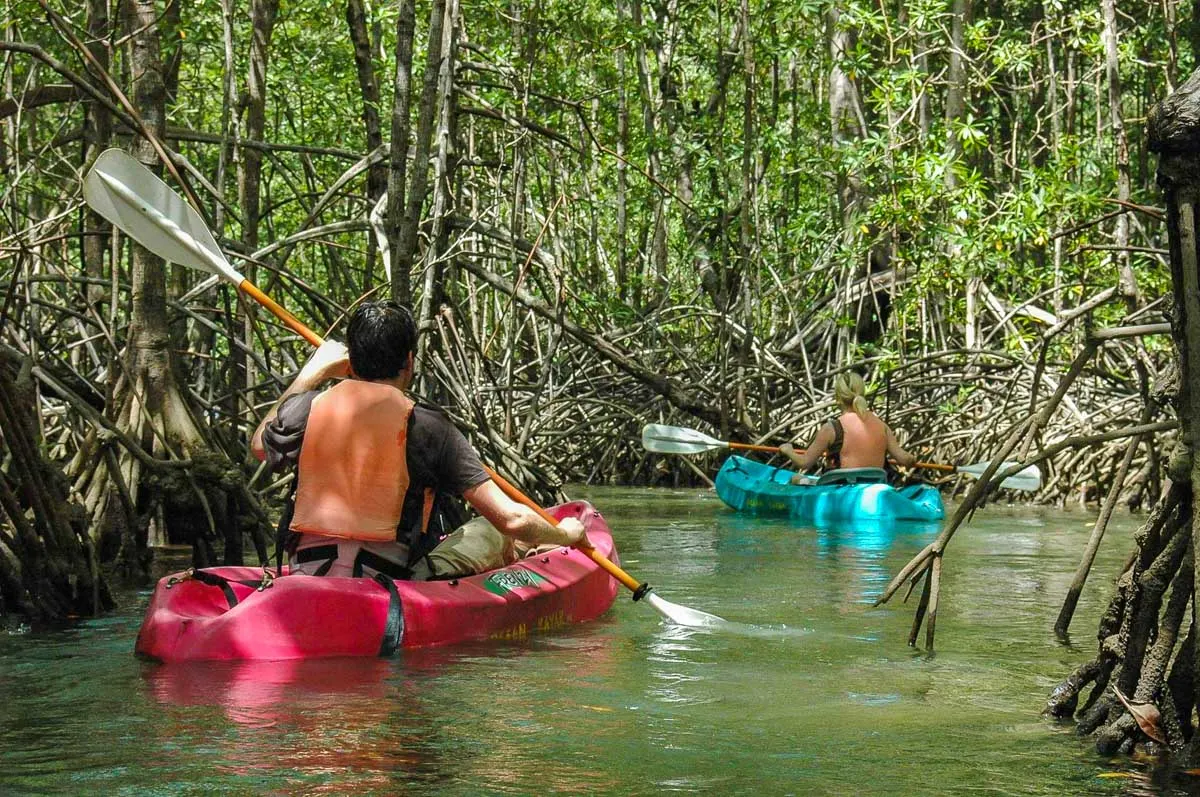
point(597, 557)
point(750, 447)
point(250, 289)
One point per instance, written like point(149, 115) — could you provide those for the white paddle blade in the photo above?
point(142, 206)
point(682, 615)
point(663, 439)
point(1028, 478)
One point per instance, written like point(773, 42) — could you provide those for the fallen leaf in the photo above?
point(1146, 715)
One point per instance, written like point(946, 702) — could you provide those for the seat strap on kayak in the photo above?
point(393, 630)
point(317, 553)
point(853, 476)
point(209, 579)
point(380, 565)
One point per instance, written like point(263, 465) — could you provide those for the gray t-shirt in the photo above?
point(439, 457)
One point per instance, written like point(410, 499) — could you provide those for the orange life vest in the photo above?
point(353, 468)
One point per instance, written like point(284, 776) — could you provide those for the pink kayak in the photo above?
point(233, 613)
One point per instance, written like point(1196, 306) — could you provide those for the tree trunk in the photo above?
point(97, 135)
point(262, 24)
point(1127, 280)
point(401, 98)
point(229, 126)
point(1175, 135)
point(622, 167)
point(150, 407)
point(368, 85)
point(1138, 635)
point(745, 231)
point(650, 111)
point(418, 185)
point(444, 172)
point(956, 91)
point(254, 105)
point(956, 83)
point(180, 277)
point(235, 403)
point(844, 110)
point(172, 27)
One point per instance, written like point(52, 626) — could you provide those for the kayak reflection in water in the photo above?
point(857, 438)
point(378, 476)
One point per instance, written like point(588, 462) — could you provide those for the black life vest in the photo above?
point(833, 454)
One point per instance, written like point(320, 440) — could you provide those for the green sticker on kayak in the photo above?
point(507, 581)
point(767, 503)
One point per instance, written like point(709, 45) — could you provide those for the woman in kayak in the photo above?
point(857, 438)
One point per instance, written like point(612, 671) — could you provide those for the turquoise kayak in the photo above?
point(838, 496)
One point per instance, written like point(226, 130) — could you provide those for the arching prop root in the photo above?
point(48, 567)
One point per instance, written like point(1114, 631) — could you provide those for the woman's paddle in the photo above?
point(145, 208)
point(663, 439)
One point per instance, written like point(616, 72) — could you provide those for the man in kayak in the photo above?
point(375, 471)
point(857, 438)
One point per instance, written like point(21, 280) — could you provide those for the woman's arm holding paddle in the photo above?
point(808, 459)
point(896, 452)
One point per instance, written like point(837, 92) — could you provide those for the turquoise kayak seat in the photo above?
point(854, 476)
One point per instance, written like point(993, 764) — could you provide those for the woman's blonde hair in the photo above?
point(850, 390)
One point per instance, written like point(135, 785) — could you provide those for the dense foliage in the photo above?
point(673, 86)
point(628, 211)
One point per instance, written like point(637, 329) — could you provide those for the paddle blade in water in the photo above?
point(663, 439)
point(682, 615)
point(1028, 478)
point(145, 208)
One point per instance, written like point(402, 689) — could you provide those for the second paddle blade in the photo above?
point(663, 439)
point(1028, 478)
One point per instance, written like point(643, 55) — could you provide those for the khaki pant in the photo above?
point(472, 548)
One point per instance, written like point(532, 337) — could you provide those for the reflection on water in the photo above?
point(854, 559)
point(807, 690)
point(362, 725)
point(323, 723)
point(259, 693)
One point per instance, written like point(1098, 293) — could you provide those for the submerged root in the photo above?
point(1065, 697)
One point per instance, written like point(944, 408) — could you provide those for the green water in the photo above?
point(819, 694)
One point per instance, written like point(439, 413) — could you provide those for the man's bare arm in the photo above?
point(331, 361)
point(519, 521)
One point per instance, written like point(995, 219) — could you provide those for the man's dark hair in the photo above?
point(380, 337)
